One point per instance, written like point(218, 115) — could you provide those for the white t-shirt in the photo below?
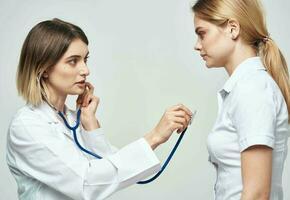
point(252, 111)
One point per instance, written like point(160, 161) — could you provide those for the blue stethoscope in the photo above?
point(74, 128)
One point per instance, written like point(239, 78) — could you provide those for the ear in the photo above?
point(45, 74)
point(233, 27)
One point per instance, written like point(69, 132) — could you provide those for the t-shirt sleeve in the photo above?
point(254, 115)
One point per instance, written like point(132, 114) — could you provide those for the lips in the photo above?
point(203, 56)
point(81, 82)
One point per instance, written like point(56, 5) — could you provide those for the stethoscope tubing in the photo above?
point(74, 128)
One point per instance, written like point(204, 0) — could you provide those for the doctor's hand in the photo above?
point(175, 118)
point(88, 104)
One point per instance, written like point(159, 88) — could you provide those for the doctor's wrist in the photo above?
point(91, 124)
point(152, 140)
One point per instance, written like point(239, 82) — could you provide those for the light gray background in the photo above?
point(141, 62)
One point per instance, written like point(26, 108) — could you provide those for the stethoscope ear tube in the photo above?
point(74, 128)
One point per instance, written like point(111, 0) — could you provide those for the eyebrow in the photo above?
point(76, 56)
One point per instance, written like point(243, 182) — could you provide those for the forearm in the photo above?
point(256, 172)
point(255, 194)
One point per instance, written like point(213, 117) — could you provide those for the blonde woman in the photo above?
point(41, 152)
point(248, 142)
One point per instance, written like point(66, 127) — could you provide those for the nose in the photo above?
point(84, 71)
point(197, 46)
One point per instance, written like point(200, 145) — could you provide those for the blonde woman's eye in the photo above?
point(201, 35)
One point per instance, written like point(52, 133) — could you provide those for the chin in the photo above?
point(77, 92)
point(212, 64)
point(209, 65)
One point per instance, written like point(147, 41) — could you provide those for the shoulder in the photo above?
point(25, 113)
point(25, 118)
point(259, 84)
point(257, 93)
point(257, 80)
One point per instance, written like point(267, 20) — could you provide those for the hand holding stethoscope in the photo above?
point(176, 118)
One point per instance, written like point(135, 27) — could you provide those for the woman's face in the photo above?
point(69, 74)
point(214, 43)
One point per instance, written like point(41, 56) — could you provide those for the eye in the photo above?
point(201, 34)
point(86, 59)
point(73, 61)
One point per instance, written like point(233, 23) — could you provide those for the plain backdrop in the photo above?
point(141, 62)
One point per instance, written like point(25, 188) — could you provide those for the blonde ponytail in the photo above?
point(276, 66)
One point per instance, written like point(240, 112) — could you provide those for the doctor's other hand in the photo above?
point(175, 118)
point(88, 104)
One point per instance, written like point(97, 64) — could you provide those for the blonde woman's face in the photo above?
point(214, 43)
point(68, 76)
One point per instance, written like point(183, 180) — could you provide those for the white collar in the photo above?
point(243, 69)
point(51, 115)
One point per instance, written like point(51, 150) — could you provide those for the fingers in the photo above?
point(81, 97)
point(90, 87)
point(94, 99)
point(90, 98)
point(80, 100)
point(179, 128)
point(182, 123)
point(180, 116)
point(89, 94)
point(86, 97)
point(183, 114)
point(175, 118)
point(181, 107)
point(178, 123)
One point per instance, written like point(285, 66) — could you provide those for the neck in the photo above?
point(241, 52)
point(56, 99)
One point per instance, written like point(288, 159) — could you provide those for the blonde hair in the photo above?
point(44, 45)
point(249, 14)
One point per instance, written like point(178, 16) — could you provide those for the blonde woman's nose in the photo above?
point(197, 46)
